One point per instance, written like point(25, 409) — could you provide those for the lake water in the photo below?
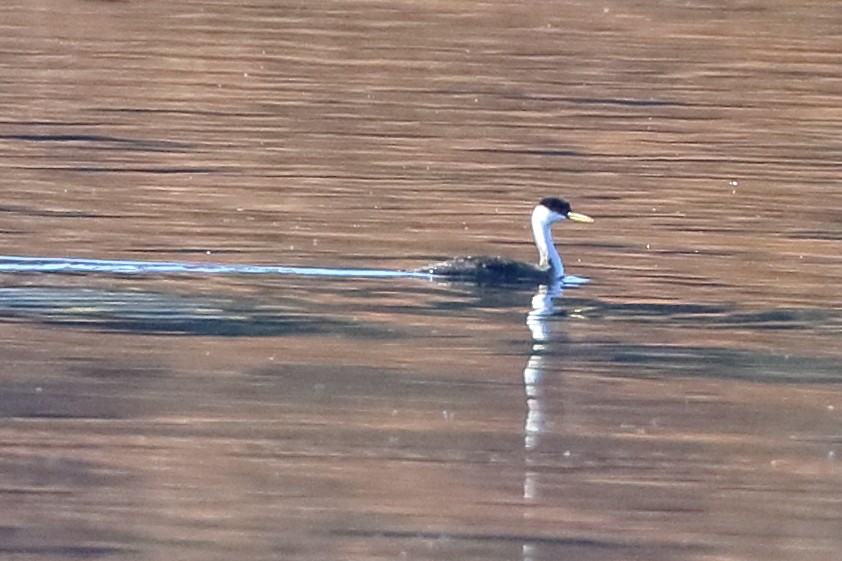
point(683, 405)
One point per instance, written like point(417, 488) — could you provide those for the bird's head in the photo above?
point(553, 209)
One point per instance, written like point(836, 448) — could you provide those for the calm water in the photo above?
point(684, 405)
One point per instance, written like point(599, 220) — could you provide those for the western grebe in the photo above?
point(499, 270)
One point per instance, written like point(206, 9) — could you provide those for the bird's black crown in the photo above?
point(555, 204)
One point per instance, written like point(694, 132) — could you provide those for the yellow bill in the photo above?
point(576, 217)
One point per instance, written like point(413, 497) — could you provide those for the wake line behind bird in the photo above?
point(13, 264)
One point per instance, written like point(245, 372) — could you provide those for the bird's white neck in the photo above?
point(542, 219)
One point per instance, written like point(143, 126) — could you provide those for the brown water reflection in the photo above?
point(683, 406)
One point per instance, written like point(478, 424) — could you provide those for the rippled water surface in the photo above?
point(683, 405)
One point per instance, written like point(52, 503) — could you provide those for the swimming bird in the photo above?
point(500, 270)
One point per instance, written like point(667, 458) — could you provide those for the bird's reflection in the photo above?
point(540, 326)
point(543, 308)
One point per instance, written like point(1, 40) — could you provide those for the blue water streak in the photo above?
point(13, 264)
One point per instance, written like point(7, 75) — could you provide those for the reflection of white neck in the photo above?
point(542, 219)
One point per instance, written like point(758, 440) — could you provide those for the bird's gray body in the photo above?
point(488, 270)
